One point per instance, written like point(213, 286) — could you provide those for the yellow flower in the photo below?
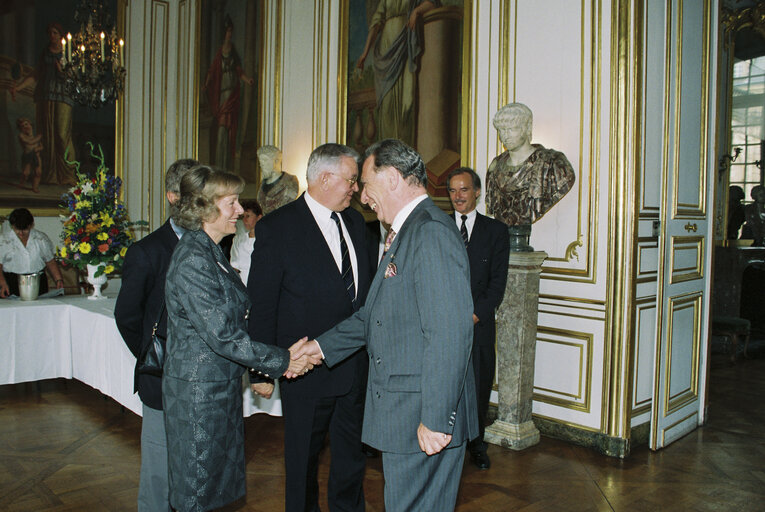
point(106, 220)
point(84, 247)
point(123, 251)
point(82, 204)
point(102, 236)
point(109, 269)
point(62, 252)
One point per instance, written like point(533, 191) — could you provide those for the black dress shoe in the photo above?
point(480, 459)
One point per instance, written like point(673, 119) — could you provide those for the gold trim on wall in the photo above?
point(584, 342)
point(120, 122)
point(686, 243)
point(682, 302)
point(589, 235)
point(665, 430)
point(641, 305)
point(682, 210)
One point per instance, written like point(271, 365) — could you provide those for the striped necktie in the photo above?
point(463, 230)
point(346, 269)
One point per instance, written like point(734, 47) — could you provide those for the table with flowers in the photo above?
point(75, 338)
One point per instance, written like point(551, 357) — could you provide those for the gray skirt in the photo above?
point(205, 443)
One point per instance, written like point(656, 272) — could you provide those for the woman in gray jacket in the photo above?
point(208, 349)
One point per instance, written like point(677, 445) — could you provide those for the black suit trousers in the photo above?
point(307, 422)
point(484, 364)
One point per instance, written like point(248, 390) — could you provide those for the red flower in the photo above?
point(103, 248)
point(80, 231)
point(114, 231)
point(77, 191)
point(86, 238)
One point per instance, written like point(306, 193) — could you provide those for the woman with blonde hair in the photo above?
point(208, 349)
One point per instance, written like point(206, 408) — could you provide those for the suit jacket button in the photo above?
point(451, 423)
point(378, 360)
point(378, 394)
point(379, 323)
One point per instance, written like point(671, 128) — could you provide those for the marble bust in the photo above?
point(277, 188)
point(755, 216)
point(526, 180)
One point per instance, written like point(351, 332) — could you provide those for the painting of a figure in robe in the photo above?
point(404, 79)
point(228, 87)
point(42, 129)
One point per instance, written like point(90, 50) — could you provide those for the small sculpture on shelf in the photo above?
point(526, 180)
point(277, 188)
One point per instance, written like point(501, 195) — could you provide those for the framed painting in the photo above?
point(404, 79)
point(42, 130)
point(229, 64)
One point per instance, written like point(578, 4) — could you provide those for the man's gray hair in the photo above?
point(396, 154)
point(175, 173)
point(327, 157)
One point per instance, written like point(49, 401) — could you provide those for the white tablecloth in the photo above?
point(73, 337)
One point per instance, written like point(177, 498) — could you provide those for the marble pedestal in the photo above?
point(516, 348)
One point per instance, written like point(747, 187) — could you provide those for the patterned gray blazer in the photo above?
point(207, 308)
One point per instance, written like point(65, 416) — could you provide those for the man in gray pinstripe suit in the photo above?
point(417, 328)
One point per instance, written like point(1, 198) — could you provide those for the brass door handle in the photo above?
point(690, 227)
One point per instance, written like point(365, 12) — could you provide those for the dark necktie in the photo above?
point(463, 230)
point(346, 269)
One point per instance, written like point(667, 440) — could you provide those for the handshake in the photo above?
point(304, 355)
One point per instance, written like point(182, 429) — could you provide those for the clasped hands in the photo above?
point(304, 355)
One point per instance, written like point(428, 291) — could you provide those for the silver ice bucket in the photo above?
point(29, 285)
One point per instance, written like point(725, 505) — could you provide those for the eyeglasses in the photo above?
point(351, 181)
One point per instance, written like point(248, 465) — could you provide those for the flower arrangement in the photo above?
point(96, 229)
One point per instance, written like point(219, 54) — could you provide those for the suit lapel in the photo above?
point(401, 237)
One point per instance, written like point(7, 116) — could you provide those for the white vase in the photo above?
point(97, 282)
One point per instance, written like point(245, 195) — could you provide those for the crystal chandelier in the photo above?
point(92, 60)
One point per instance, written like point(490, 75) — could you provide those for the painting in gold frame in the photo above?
point(57, 123)
point(420, 101)
point(229, 63)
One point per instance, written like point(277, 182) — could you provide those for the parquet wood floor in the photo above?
point(64, 447)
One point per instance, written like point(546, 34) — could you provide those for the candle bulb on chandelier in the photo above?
point(122, 43)
point(69, 47)
point(82, 57)
point(102, 46)
point(63, 51)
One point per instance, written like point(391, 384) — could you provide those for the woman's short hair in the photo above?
point(251, 204)
point(201, 188)
point(21, 218)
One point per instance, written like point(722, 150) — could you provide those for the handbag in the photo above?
point(152, 357)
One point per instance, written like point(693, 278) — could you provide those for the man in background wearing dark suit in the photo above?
point(140, 300)
point(488, 248)
point(309, 271)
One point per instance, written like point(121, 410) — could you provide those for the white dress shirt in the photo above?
point(402, 215)
point(322, 216)
point(469, 222)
